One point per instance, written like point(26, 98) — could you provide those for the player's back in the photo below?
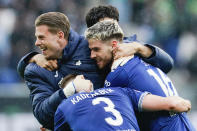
point(141, 76)
point(102, 110)
point(138, 75)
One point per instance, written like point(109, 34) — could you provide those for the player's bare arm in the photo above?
point(40, 60)
point(130, 49)
point(170, 103)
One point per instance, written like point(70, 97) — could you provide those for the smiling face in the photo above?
point(102, 37)
point(48, 42)
point(101, 52)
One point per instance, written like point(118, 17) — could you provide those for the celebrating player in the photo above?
point(110, 108)
point(57, 41)
point(134, 73)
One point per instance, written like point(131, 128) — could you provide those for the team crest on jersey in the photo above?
point(56, 74)
point(78, 63)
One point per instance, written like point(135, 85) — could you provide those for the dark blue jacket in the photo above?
point(45, 94)
point(159, 58)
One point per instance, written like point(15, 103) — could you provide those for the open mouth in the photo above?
point(98, 62)
point(43, 49)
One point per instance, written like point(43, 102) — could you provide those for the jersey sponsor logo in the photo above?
point(107, 83)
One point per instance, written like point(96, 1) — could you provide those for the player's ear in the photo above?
point(60, 34)
point(114, 43)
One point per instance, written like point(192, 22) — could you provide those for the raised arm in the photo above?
point(159, 58)
point(149, 53)
point(24, 61)
point(37, 58)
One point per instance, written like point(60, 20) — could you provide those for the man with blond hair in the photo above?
point(134, 73)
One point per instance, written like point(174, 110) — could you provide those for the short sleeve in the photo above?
point(137, 98)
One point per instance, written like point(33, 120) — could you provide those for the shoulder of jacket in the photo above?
point(34, 69)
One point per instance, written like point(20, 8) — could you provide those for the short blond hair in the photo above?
point(104, 31)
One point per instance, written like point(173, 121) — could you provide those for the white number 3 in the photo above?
point(110, 108)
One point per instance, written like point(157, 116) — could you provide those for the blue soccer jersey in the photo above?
point(138, 75)
point(104, 109)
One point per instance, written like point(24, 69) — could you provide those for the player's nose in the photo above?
point(37, 43)
point(93, 55)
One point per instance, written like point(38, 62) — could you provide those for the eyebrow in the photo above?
point(94, 48)
point(40, 36)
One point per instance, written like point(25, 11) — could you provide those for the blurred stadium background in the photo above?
point(169, 24)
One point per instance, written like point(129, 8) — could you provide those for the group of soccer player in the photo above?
point(113, 86)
